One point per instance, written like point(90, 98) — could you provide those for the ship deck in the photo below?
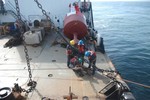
point(50, 71)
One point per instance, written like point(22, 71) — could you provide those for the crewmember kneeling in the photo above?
point(76, 65)
point(81, 50)
point(92, 60)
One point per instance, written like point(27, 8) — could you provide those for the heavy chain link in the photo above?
point(24, 44)
point(18, 14)
point(27, 59)
point(52, 24)
point(18, 10)
point(44, 13)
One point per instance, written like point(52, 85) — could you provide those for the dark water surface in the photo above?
point(125, 27)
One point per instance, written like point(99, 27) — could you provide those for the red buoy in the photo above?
point(75, 25)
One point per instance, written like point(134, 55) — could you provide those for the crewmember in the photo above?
point(69, 51)
point(13, 30)
point(92, 60)
point(77, 65)
point(74, 61)
point(81, 50)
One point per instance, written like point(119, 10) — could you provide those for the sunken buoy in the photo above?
point(75, 26)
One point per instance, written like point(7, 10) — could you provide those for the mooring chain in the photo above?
point(31, 83)
point(18, 13)
point(111, 71)
point(48, 18)
point(18, 10)
point(102, 70)
point(44, 13)
point(28, 60)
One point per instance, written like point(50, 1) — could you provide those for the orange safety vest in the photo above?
point(81, 48)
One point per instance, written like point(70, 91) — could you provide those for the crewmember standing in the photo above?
point(70, 53)
point(81, 50)
point(92, 60)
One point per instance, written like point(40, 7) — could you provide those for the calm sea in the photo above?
point(125, 27)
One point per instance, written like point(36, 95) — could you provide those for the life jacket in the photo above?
point(69, 50)
point(92, 55)
point(74, 61)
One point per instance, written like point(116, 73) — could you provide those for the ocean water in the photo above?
point(125, 27)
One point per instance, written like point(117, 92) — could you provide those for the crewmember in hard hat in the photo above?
point(81, 49)
point(76, 63)
point(92, 59)
point(72, 42)
point(69, 52)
